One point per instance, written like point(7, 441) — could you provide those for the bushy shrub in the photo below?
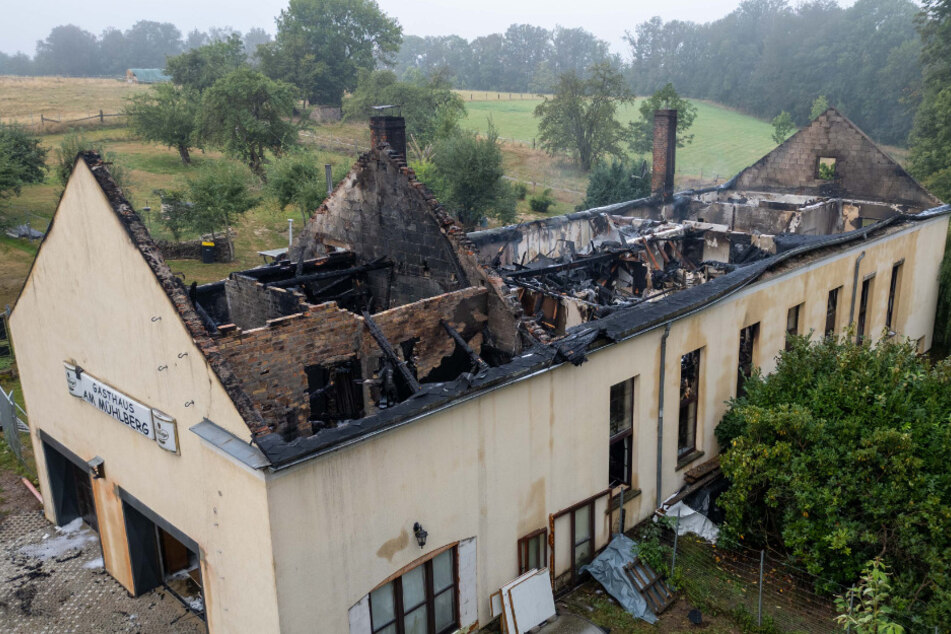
point(542, 202)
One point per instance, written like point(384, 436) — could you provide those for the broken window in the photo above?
point(894, 288)
point(422, 600)
point(825, 168)
point(832, 311)
point(336, 392)
point(748, 338)
point(532, 551)
point(863, 308)
point(792, 324)
point(689, 400)
point(622, 433)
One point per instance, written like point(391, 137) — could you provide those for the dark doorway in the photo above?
point(161, 555)
point(70, 485)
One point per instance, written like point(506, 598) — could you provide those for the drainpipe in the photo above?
point(855, 286)
point(660, 415)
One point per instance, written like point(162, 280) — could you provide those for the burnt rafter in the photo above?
point(390, 353)
point(473, 355)
point(379, 263)
point(564, 266)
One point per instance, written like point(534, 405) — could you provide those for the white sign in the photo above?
point(151, 423)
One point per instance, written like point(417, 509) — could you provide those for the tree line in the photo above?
point(74, 52)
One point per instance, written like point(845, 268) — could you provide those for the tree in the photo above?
point(255, 37)
point(782, 126)
point(931, 136)
point(942, 322)
point(176, 212)
point(840, 456)
point(166, 114)
point(642, 129)
point(298, 179)
point(201, 67)
point(148, 43)
point(321, 45)
point(582, 115)
point(429, 106)
point(616, 182)
point(74, 142)
point(819, 105)
point(865, 608)
point(22, 160)
point(219, 194)
point(68, 50)
point(246, 114)
point(467, 178)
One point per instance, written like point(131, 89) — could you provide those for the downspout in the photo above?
point(855, 285)
point(660, 415)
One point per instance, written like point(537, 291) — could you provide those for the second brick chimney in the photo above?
point(665, 151)
point(388, 129)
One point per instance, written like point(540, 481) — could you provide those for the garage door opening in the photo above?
point(70, 485)
point(161, 555)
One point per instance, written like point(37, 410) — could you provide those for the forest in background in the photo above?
point(765, 57)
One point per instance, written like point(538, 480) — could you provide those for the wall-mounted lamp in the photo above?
point(420, 533)
point(97, 468)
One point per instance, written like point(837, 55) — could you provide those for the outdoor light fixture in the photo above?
point(420, 533)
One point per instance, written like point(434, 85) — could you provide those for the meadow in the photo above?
point(24, 99)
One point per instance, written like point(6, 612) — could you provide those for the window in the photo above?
point(533, 551)
point(336, 392)
point(622, 433)
point(689, 399)
point(582, 536)
point(748, 338)
point(832, 311)
point(863, 308)
point(825, 168)
point(422, 601)
point(792, 324)
point(894, 288)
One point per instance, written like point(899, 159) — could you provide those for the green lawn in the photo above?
point(725, 141)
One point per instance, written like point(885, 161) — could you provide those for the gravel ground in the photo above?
point(52, 580)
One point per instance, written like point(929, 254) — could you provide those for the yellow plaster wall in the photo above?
point(91, 299)
point(496, 466)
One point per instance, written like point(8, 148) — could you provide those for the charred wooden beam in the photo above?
point(380, 263)
point(574, 264)
point(390, 353)
point(476, 359)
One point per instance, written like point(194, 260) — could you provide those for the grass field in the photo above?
point(725, 141)
point(24, 99)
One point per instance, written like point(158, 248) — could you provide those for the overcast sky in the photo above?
point(26, 22)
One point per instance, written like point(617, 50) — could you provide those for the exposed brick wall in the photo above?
point(389, 130)
point(380, 209)
point(251, 304)
point(375, 214)
point(665, 150)
point(862, 169)
point(270, 361)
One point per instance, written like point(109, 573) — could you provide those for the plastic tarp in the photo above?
point(608, 569)
point(692, 521)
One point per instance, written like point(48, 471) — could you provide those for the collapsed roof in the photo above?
point(387, 309)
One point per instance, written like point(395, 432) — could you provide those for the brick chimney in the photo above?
point(665, 150)
point(389, 129)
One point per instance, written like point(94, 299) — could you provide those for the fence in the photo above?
point(13, 418)
point(757, 586)
point(45, 124)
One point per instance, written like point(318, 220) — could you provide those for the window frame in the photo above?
point(574, 540)
point(794, 331)
point(625, 435)
point(691, 426)
point(894, 293)
point(832, 300)
point(429, 601)
point(743, 373)
point(526, 542)
point(865, 295)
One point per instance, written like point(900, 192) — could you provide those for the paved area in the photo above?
point(52, 580)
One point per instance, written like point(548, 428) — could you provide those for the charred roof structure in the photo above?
point(387, 309)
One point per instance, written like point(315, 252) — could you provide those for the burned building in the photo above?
point(378, 432)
